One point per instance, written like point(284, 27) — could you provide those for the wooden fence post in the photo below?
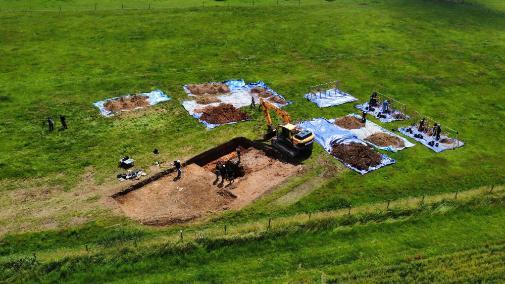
point(181, 237)
point(225, 229)
point(269, 223)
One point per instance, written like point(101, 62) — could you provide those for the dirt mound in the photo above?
point(383, 140)
point(447, 141)
point(223, 113)
point(205, 100)
point(349, 122)
point(277, 99)
point(261, 92)
point(208, 88)
point(357, 155)
point(126, 103)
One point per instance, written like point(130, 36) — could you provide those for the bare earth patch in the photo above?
point(166, 201)
point(383, 140)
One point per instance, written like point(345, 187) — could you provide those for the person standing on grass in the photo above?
point(50, 123)
point(63, 121)
point(178, 168)
point(253, 103)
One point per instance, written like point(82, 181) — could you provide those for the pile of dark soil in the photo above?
point(383, 140)
point(208, 88)
point(357, 155)
point(205, 100)
point(349, 122)
point(223, 113)
point(126, 103)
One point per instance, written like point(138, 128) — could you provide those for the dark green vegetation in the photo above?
point(440, 58)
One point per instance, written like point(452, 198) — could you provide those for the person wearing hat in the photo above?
point(178, 168)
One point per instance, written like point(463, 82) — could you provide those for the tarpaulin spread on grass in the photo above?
point(393, 114)
point(240, 95)
point(331, 97)
point(445, 143)
point(153, 97)
point(328, 134)
point(371, 128)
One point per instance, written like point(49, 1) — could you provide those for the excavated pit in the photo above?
point(349, 122)
point(126, 103)
point(357, 155)
point(223, 113)
point(384, 140)
point(160, 200)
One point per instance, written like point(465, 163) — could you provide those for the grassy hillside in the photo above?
point(443, 59)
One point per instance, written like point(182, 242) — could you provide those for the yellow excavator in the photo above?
point(289, 139)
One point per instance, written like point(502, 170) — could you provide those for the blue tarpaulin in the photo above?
point(327, 135)
point(153, 97)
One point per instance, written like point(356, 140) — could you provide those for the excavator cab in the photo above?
point(289, 139)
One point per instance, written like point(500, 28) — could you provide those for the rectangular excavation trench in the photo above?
point(159, 200)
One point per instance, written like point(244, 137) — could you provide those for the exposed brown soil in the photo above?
point(261, 92)
point(447, 141)
point(357, 155)
point(277, 99)
point(223, 113)
point(205, 100)
point(208, 88)
point(165, 201)
point(349, 122)
point(383, 140)
point(126, 103)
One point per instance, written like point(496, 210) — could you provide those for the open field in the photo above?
point(441, 58)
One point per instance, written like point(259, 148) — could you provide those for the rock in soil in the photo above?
point(357, 155)
point(349, 122)
point(384, 140)
point(126, 103)
point(208, 88)
point(223, 113)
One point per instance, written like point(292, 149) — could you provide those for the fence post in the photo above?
point(225, 229)
point(310, 215)
point(87, 249)
point(456, 195)
point(491, 190)
point(269, 223)
point(349, 212)
point(387, 207)
point(181, 237)
point(422, 200)
point(122, 6)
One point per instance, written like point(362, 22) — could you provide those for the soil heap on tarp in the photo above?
point(382, 139)
point(261, 92)
point(223, 113)
point(208, 88)
point(357, 155)
point(349, 122)
point(206, 99)
point(126, 103)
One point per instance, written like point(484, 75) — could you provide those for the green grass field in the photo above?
point(443, 59)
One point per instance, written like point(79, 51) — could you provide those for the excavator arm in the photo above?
point(266, 106)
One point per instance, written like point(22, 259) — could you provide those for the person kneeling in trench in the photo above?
point(220, 171)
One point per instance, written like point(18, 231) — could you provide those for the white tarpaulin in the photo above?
point(331, 97)
point(445, 143)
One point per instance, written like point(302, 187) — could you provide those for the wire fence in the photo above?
point(158, 5)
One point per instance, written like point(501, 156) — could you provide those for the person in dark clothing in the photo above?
point(178, 168)
point(363, 116)
point(219, 172)
point(238, 154)
point(253, 103)
point(437, 130)
point(422, 125)
point(373, 100)
point(63, 121)
point(156, 151)
point(50, 123)
point(385, 106)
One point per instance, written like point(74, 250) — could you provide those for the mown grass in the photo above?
point(443, 59)
point(409, 245)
